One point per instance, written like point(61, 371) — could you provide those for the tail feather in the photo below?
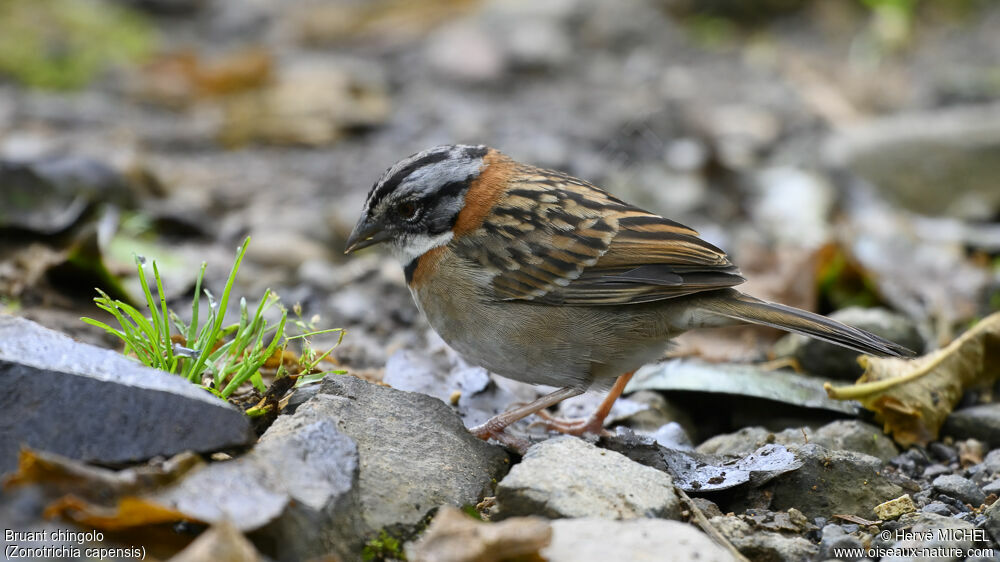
point(755, 311)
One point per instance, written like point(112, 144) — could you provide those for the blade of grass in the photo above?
point(132, 339)
point(154, 313)
point(168, 348)
point(221, 312)
point(193, 326)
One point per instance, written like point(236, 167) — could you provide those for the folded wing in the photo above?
point(554, 239)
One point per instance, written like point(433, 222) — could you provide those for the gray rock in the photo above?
point(827, 360)
point(829, 482)
point(960, 488)
point(416, 454)
point(96, 405)
point(992, 461)
point(992, 524)
point(937, 508)
point(978, 422)
point(48, 195)
point(935, 470)
point(857, 436)
point(909, 157)
point(599, 540)
point(296, 491)
point(992, 487)
point(846, 435)
point(739, 443)
point(763, 545)
point(568, 477)
point(836, 539)
point(931, 531)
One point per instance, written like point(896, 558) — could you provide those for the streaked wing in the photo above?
point(554, 239)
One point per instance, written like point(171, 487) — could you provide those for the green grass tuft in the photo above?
point(220, 358)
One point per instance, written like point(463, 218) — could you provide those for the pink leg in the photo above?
point(495, 426)
point(595, 423)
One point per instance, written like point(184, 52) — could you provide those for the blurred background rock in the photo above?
point(844, 151)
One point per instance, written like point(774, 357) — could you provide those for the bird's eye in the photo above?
point(407, 211)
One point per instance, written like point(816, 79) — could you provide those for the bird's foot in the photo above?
point(579, 426)
point(498, 433)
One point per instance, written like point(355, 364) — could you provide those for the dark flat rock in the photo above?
point(99, 406)
point(827, 482)
point(978, 422)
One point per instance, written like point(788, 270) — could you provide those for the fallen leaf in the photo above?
point(129, 512)
point(741, 380)
point(913, 397)
point(855, 519)
point(180, 78)
point(454, 536)
point(98, 497)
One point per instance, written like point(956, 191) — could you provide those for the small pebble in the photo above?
point(892, 509)
point(935, 470)
point(992, 487)
point(992, 462)
point(959, 488)
point(937, 508)
point(943, 452)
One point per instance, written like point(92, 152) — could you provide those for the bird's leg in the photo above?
point(495, 426)
point(595, 423)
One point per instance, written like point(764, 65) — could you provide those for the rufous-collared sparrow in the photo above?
point(547, 279)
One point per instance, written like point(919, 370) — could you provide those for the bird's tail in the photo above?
point(755, 311)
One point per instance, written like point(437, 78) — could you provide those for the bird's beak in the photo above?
point(366, 233)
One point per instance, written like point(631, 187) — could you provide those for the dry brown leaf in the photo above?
point(181, 78)
point(128, 513)
point(98, 497)
point(454, 536)
point(913, 397)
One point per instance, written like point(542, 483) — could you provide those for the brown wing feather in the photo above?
point(553, 239)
